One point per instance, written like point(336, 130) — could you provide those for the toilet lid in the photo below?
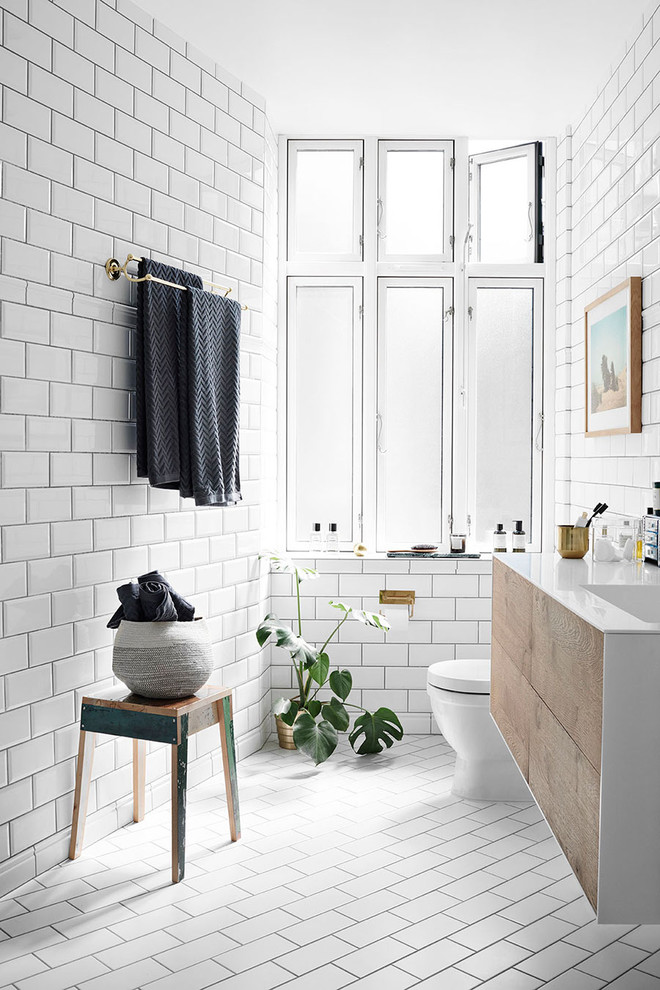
point(466, 676)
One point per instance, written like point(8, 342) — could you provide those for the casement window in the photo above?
point(413, 390)
point(325, 196)
point(504, 418)
point(505, 204)
point(415, 201)
point(414, 383)
point(324, 406)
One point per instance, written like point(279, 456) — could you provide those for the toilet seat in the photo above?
point(461, 676)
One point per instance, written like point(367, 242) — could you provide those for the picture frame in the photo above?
point(613, 361)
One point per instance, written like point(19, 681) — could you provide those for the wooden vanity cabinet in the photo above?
point(547, 701)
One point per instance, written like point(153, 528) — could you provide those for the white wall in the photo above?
point(116, 137)
point(451, 620)
point(608, 229)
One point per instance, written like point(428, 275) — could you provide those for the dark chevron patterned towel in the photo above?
point(211, 364)
point(162, 313)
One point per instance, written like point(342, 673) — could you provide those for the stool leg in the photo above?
point(81, 797)
point(139, 777)
point(226, 723)
point(179, 775)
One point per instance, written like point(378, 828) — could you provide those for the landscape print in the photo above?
point(609, 361)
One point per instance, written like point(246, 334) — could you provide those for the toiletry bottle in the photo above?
point(625, 533)
point(639, 540)
point(518, 538)
point(316, 539)
point(332, 539)
point(655, 491)
point(499, 539)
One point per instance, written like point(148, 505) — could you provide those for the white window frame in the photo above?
point(293, 283)
point(537, 285)
point(448, 202)
point(447, 285)
point(460, 269)
point(357, 147)
point(531, 153)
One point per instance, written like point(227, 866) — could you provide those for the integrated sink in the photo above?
point(642, 601)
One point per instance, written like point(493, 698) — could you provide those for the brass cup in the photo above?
point(572, 541)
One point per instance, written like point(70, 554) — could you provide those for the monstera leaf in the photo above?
point(319, 672)
point(286, 638)
point(381, 727)
point(282, 564)
point(341, 683)
point(313, 707)
point(335, 713)
point(317, 740)
point(375, 619)
point(289, 716)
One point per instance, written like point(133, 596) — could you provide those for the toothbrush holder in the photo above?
point(572, 541)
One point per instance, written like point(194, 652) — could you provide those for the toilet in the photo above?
point(460, 698)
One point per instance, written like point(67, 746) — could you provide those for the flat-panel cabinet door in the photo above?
point(567, 790)
point(567, 671)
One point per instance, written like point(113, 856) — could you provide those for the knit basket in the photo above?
point(163, 659)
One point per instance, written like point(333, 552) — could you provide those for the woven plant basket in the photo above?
point(284, 734)
point(163, 659)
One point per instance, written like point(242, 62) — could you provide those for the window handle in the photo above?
point(529, 221)
point(538, 442)
point(379, 218)
point(379, 434)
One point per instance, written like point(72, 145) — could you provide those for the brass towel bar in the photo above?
point(114, 271)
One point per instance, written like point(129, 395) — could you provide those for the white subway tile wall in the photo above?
point(608, 207)
point(451, 620)
point(116, 137)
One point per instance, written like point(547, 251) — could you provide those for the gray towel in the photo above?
point(210, 363)
point(162, 313)
point(151, 599)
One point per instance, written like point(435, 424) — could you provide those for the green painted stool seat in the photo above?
point(117, 712)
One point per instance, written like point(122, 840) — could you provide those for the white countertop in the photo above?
point(565, 580)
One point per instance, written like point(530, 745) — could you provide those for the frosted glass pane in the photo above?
point(324, 202)
point(504, 222)
point(410, 402)
point(323, 408)
point(504, 426)
point(414, 203)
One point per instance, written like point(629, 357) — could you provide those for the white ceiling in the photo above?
point(478, 68)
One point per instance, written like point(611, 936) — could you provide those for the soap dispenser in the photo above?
point(499, 539)
point(518, 539)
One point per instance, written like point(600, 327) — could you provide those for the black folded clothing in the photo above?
point(151, 599)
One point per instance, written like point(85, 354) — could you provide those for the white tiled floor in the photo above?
point(364, 873)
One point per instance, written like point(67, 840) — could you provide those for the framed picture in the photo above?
point(613, 361)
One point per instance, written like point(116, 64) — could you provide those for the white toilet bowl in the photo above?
point(460, 698)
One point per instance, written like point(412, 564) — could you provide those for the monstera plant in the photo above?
point(320, 709)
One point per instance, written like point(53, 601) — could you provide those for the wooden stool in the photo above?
point(118, 712)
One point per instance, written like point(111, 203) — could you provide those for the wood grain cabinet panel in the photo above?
point(512, 615)
point(567, 671)
point(567, 789)
point(511, 704)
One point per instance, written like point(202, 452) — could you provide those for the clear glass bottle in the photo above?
point(639, 540)
point(518, 538)
point(316, 539)
point(332, 539)
point(499, 539)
